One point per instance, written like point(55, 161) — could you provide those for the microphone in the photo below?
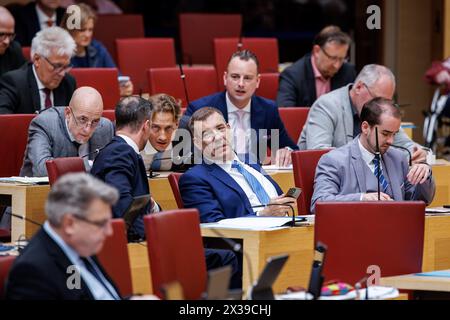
point(177, 158)
point(183, 78)
point(287, 204)
point(96, 151)
point(406, 149)
point(23, 218)
point(378, 157)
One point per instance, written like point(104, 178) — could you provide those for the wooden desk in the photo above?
point(423, 287)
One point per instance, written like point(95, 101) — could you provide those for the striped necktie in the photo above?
point(254, 184)
point(156, 163)
point(383, 182)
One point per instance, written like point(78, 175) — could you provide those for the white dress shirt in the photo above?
point(149, 153)
point(41, 88)
point(43, 18)
point(242, 182)
point(233, 119)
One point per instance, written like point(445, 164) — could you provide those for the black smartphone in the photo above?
point(294, 193)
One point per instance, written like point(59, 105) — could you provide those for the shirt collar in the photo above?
point(43, 17)
point(316, 71)
point(366, 154)
point(130, 142)
point(149, 149)
point(232, 108)
point(227, 166)
point(69, 251)
point(38, 81)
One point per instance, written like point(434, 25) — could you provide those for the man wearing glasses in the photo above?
point(334, 119)
point(11, 56)
point(318, 72)
point(45, 82)
point(76, 130)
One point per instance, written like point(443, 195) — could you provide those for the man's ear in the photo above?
point(365, 127)
point(67, 224)
point(316, 50)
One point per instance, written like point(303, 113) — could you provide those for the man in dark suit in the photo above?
point(36, 16)
point(223, 186)
point(319, 72)
point(44, 82)
point(59, 263)
point(11, 56)
point(255, 121)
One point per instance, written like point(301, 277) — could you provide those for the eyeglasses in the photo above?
point(84, 122)
point(334, 58)
point(370, 92)
point(4, 35)
point(209, 135)
point(99, 223)
point(59, 67)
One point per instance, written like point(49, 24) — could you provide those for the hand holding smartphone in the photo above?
point(294, 193)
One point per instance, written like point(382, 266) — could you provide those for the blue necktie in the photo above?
point(156, 163)
point(256, 187)
point(383, 182)
point(95, 271)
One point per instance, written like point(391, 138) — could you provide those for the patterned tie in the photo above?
point(48, 101)
point(383, 182)
point(240, 134)
point(254, 184)
point(95, 271)
point(156, 163)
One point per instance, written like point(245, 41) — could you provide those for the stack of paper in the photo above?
point(25, 180)
point(257, 223)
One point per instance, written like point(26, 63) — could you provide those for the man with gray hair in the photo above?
point(59, 262)
point(333, 120)
point(45, 82)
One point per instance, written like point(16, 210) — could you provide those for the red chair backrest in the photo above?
point(135, 56)
point(197, 31)
point(109, 114)
point(175, 251)
point(5, 265)
point(26, 51)
point(13, 140)
point(304, 164)
point(266, 49)
point(294, 119)
point(268, 86)
point(102, 79)
point(110, 27)
point(115, 259)
point(200, 82)
point(389, 235)
point(60, 166)
point(173, 180)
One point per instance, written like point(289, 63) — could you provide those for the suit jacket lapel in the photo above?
point(357, 165)
point(310, 82)
point(222, 106)
point(34, 91)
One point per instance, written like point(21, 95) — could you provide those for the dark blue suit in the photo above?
point(121, 167)
point(264, 115)
point(215, 193)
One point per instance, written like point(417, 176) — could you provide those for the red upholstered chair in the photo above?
point(175, 251)
point(135, 56)
point(26, 51)
point(109, 114)
point(5, 265)
point(173, 180)
point(200, 82)
point(304, 164)
point(115, 259)
point(266, 49)
point(389, 235)
point(197, 31)
point(268, 86)
point(294, 119)
point(13, 140)
point(110, 27)
point(60, 166)
point(102, 79)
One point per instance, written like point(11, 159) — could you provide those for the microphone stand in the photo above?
point(377, 156)
point(405, 149)
point(183, 78)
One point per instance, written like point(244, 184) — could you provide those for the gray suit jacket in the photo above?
point(48, 138)
point(340, 176)
point(330, 123)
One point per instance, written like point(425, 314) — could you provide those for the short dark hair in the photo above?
point(245, 55)
point(332, 34)
point(201, 115)
point(132, 112)
point(372, 110)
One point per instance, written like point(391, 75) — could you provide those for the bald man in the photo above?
point(76, 130)
point(11, 56)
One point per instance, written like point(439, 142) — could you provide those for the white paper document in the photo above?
point(277, 168)
point(25, 180)
point(375, 293)
point(258, 223)
point(437, 210)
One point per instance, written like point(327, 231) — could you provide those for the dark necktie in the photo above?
point(49, 23)
point(383, 182)
point(95, 271)
point(156, 163)
point(48, 101)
